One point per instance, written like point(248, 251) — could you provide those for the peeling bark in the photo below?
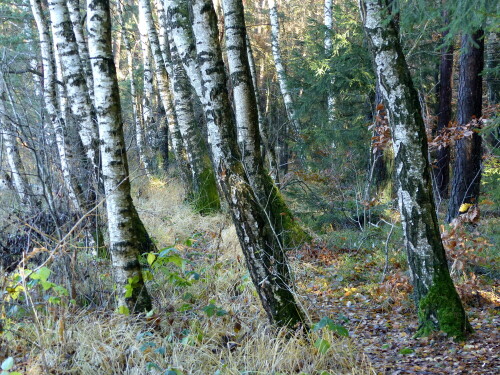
point(264, 256)
point(127, 235)
point(439, 306)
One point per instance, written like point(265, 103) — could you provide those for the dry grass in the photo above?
point(181, 335)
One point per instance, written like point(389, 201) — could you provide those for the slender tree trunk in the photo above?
point(493, 79)
point(467, 168)
point(246, 114)
point(74, 79)
point(328, 22)
point(265, 257)
point(280, 67)
point(267, 149)
point(146, 18)
point(9, 135)
point(177, 15)
point(439, 306)
point(442, 171)
point(56, 117)
point(128, 237)
point(83, 51)
point(206, 198)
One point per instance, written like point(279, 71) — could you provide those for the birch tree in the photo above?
point(264, 256)
point(328, 44)
point(288, 231)
point(161, 74)
point(439, 306)
point(52, 108)
point(127, 235)
point(74, 79)
point(9, 135)
point(280, 67)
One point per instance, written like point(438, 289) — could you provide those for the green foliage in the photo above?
point(7, 365)
point(330, 324)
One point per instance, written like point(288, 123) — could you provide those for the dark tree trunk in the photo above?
point(467, 168)
point(442, 167)
point(439, 306)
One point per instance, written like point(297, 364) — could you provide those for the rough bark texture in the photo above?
point(265, 257)
point(442, 171)
point(246, 114)
point(74, 79)
point(180, 28)
point(161, 74)
point(51, 106)
point(83, 51)
point(439, 306)
point(467, 168)
point(127, 235)
point(205, 196)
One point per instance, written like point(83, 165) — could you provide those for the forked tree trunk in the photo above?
point(265, 257)
point(467, 168)
point(442, 171)
point(439, 306)
point(127, 235)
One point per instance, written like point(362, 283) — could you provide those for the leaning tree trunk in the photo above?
point(281, 220)
point(127, 235)
point(265, 257)
point(442, 171)
point(467, 168)
point(439, 306)
point(148, 119)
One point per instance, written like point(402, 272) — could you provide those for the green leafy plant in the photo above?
point(7, 365)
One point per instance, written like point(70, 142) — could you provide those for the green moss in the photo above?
point(441, 310)
point(207, 199)
point(294, 235)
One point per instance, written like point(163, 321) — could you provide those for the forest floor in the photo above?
point(208, 319)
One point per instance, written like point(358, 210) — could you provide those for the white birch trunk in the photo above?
point(438, 303)
point(264, 256)
point(127, 235)
point(145, 16)
point(182, 36)
point(83, 51)
point(280, 67)
point(74, 78)
point(328, 22)
point(9, 135)
point(55, 113)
